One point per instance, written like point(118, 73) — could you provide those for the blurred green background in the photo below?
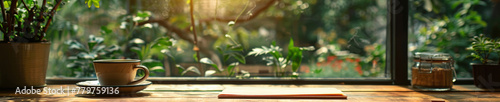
point(349, 36)
point(448, 26)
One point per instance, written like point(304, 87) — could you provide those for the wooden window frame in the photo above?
point(396, 64)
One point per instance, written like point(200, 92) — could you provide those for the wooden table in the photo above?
point(205, 92)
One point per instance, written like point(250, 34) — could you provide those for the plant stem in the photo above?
point(195, 41)
point(50, 19)
point(246, 5)
point(3, 11)
point(26, 6)
point(235, 20)
point(41, 16)
point(4, 19)
point(10, 20)
point(277, 69)
point(215, 13)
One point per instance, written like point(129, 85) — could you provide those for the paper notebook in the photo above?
point(281, 93)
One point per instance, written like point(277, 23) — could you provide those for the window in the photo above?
point(447, 26)
point(337, 38)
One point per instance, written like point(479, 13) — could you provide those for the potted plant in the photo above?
point(485, 73)
point(23, 46)
point(280, 62)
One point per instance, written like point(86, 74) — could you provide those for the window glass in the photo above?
point(242, 39)
point(449, 25)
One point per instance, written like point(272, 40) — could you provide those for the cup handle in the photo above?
point(146, 71)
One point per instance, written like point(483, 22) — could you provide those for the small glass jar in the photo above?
point(433, 71)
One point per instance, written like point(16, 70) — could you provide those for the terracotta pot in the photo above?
point(486, 76)
point(23, 64)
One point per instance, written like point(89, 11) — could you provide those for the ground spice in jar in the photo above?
point(437, 78)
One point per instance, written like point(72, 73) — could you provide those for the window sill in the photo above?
point(253, 80)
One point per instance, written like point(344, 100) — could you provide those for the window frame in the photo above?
point(397, 53)
point(396, 64)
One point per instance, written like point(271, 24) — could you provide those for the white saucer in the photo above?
point(121, 88)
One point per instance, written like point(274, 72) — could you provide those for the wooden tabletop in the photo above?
point(209, 92)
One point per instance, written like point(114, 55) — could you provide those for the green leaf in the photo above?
point(244, 74)
point(210, 72)
point(74, 65)
point(137, 50)
point(136, 41)
point(219, 49)
point(87, 56)
point(143, 14)
point(98, 48)
point(180, 68)
point(230, 68)
point(163, 43)
point(236, 48)
point(93, 40)
point(90, 2)
point(228, 46)
point(209, 62)
point(291, 50)
point(151, 63)
point(257, 51)
point(230, 23)
point(276, 54)
point(239, 57)
point(296, 61)
point(195, 56)
point(105, 30)
point(232, 65)
point(113, 48)
point(168, 53)
point(226, 57)
point(295, 55)
point(96, 3)
point(75, 45)
point(310, 48)
point(157, 69)
point(6, 4)
point(273, 50)
point(191, 69)
point(29, 2)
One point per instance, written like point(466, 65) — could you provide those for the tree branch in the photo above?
point(195, 41)
point(4, 17)
point(204, 48)
point(25, 6)
point(3, 11)
point(254, 14)
point(220, 19)
point(4, 20)
point(187, 35)
point(44, 3)
point(183, 34)
point(10, 20)
point(41, 18)
point(50, 19)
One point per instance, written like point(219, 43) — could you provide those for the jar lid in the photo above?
point(437, 56)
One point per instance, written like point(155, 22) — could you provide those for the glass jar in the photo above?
point(433, 71)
